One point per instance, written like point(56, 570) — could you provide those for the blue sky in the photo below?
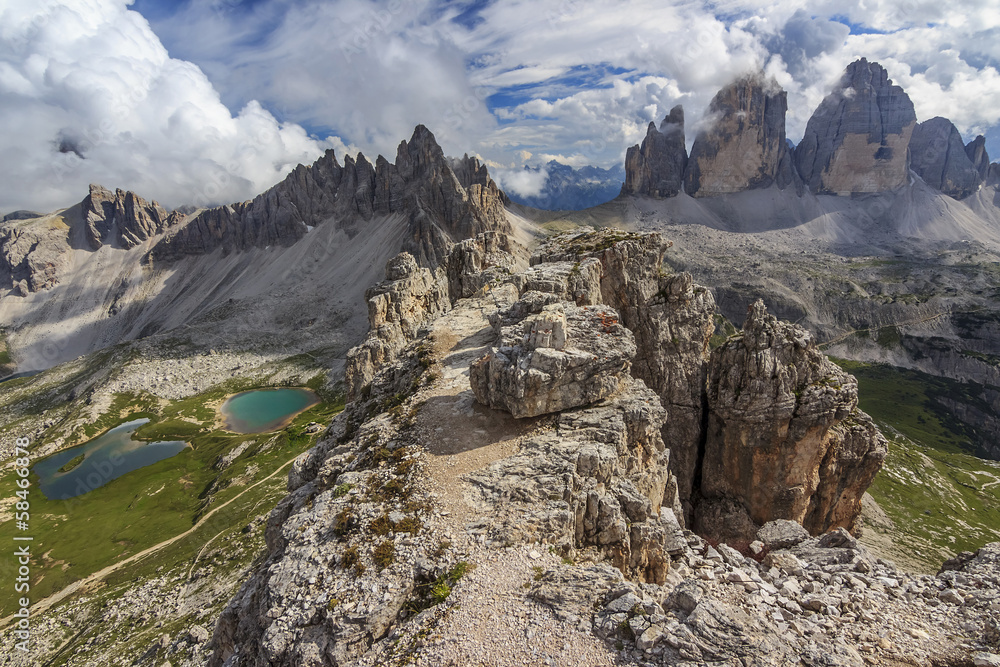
point(214, 100)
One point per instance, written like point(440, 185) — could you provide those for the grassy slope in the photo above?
point(75, 537)
point(940, 497)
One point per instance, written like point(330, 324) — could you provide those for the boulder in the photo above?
point(563, 357)
point(781, 534)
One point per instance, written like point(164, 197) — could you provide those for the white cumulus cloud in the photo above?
point(89, 94)
point(524, 182)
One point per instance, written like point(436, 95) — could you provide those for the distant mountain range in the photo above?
point(569, 189)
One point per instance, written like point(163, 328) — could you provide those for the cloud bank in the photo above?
point(248, 89)
point(89, 94)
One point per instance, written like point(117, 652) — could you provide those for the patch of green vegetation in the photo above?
point(991, 359)
point(344, 522)
point(888, 337)
point(905, 400)
point(5, 359)
point(201, 547)
point(342, 490)
point(940, 497)
point(723, 330)
point(431, 593)
point(351, 558)
point(72, 463)
point(384, 554)
point(147, 506)
point(169, 429)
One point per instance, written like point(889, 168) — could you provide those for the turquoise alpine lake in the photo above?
point(105, 458)
point(263, 410)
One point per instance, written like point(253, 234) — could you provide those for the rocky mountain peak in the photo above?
point(745, 146)
point(938, 156)
point(656, 167)
point(785, 439)
point(976, 151)
point(421, 184)
point(858, 138)
point(123, 217)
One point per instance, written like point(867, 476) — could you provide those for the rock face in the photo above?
point(608, 468)
point(938, 156)
point(671, 319)
point(976, 151)
point(409, 296)
point(785, 439)
point(857, 139)
point(30, 256)
point(656, 168)
point(745, 147)
point(560, 356)
point(474, 263)
point(422, 184)
point(123, 216)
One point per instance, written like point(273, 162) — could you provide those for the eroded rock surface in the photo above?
point(123, 217)
point(857, 140)
point(474, 263)
point(656, 167)
point(564, 356)
point(671, 319)
point(421, 184)
point(744, 148)
point(938, 156)
point(409, 296)
point(976, 152)
point(599, 478)
point(785, 439)
point(30, 257)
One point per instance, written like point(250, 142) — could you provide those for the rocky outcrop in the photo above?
point(671, 319)
point(123, 217)
point(30, 257)
point(599, 479)
point(938, 156)
point(421, 184)
point(409, 296)
point(821, 601)
point(474, 263)
point(552, 357)
point(21, 215)
point(857, 139)
point(656, 167)
point(745, 147)
point(572, 462)
point(785, 439)
point(976, 152)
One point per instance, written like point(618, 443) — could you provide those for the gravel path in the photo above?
point(492, 622)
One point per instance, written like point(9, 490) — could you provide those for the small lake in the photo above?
point(263, 410)
point(106, 457)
